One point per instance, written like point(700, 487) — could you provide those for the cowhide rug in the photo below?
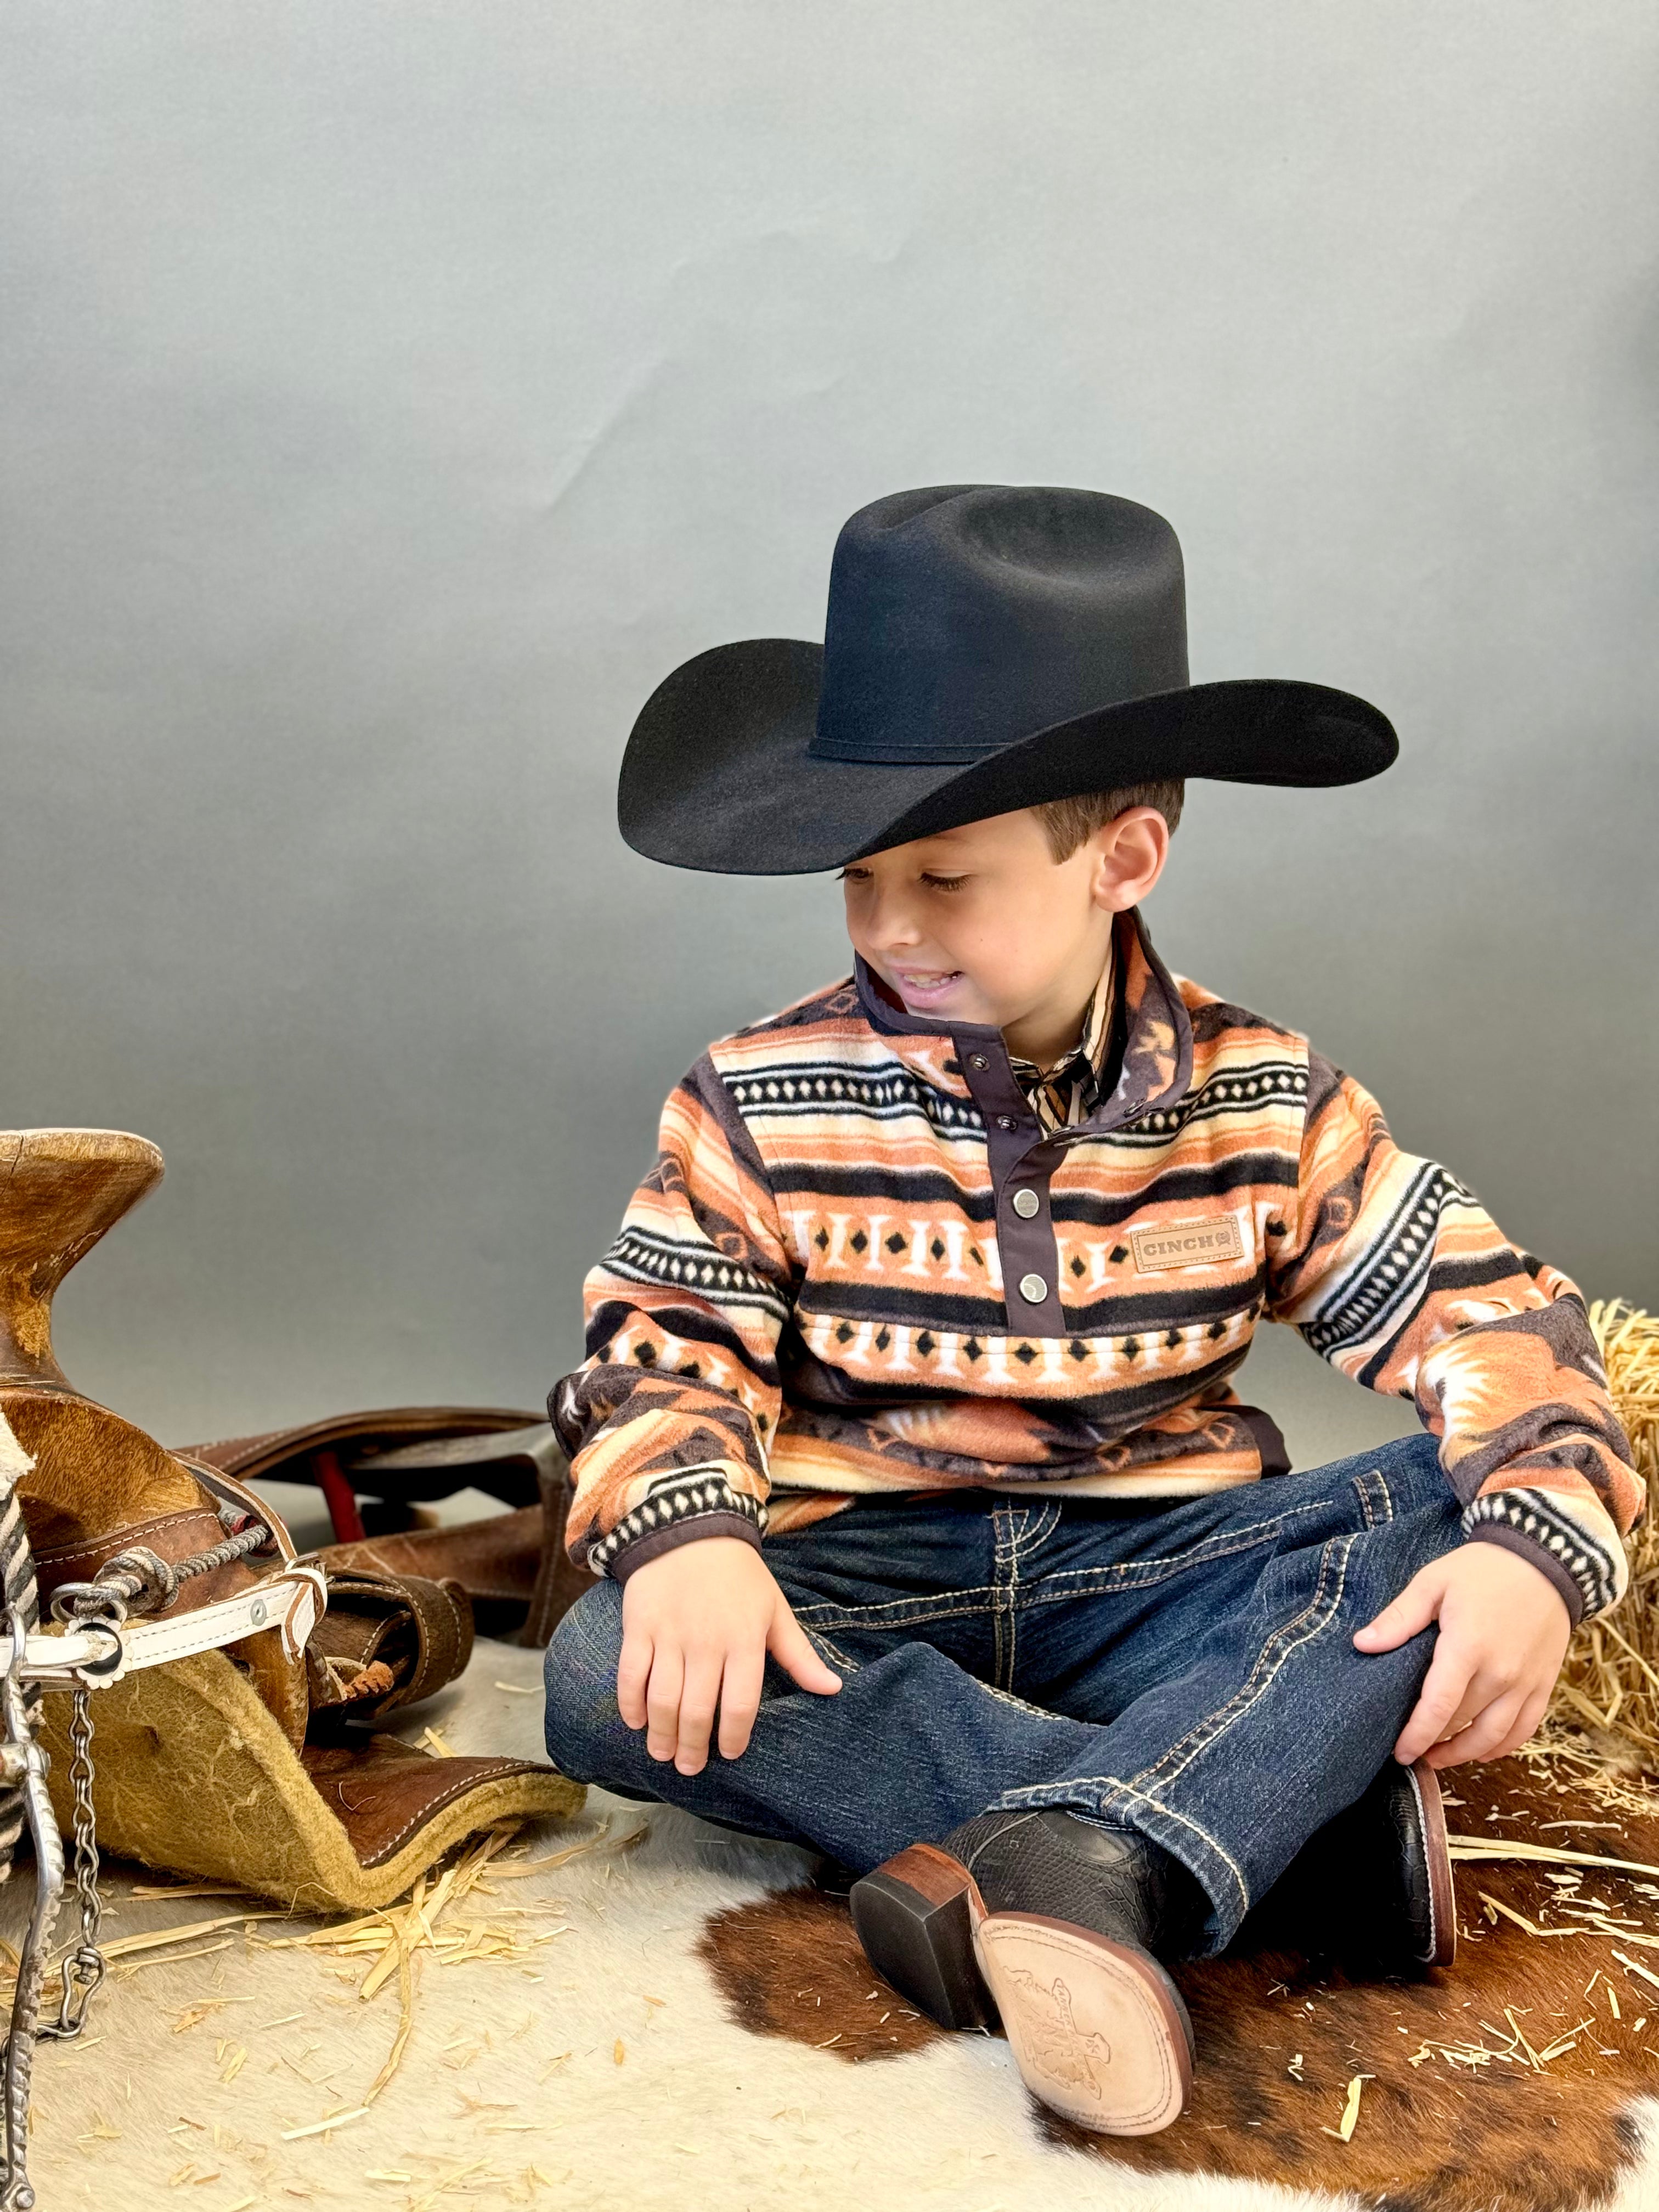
point(688, 2023)
point(1561, 2123)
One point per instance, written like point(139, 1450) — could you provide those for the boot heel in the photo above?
point(915, 1917)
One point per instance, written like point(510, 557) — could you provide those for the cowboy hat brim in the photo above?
point(719, 774)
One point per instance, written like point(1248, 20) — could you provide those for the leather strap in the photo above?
point(495, 1559)
point(386, 1641)
point(284, 1453)
point(291, 1601)
point(504, 1562)
point(513, 1566)
point(170, 1537)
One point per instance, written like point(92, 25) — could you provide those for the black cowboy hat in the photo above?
point(987, 646)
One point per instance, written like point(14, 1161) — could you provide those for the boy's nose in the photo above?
point(890, 923)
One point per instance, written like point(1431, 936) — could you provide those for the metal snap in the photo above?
point(977, 1059)
point(1026, 1204)
point(257, 1613)
point(1006, 1121)
point(1033, 1290)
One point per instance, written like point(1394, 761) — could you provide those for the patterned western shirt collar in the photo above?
point(1068, 1092)
point(1158, 1037)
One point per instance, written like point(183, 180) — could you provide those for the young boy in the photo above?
point(932, 1533)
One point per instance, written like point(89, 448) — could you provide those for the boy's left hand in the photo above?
point(1503, 1631)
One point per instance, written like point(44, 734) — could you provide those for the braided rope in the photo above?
point(18, 1585)
point(141, 1581)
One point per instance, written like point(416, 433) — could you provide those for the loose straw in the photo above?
point(1610, 1682)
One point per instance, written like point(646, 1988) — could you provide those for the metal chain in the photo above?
point(85, 1967)
point(136, 1580)
point(25, 1763)
point(139, 1580)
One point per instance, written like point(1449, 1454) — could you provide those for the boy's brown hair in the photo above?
point(1068, 821)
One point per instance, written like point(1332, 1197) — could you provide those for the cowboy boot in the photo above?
point(1371, 1891)
point(1054, 1927)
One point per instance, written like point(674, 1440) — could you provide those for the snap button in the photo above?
point(1006, 1121)
point(1033, 1290)
point(1026, 1204)
point(978, 1060)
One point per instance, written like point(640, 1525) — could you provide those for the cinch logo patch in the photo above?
point(1186, 1244)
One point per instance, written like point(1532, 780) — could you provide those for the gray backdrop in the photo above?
point(394, 391)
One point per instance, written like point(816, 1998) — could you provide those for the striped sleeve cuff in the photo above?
point(694, 1503)
point(1586, 1565)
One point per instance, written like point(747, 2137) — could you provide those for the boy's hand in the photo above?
point(697, 1623)
point(1504, 1631)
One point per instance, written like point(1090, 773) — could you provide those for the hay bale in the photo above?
point(1610, 1683)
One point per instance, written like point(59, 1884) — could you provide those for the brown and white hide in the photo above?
point(1279, 2041)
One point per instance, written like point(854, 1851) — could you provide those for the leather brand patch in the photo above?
point(1186, 1244)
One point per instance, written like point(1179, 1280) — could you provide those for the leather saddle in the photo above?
point(240, 1743)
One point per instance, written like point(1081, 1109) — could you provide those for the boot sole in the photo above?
point(1442, 1900)
point(1097, 2028)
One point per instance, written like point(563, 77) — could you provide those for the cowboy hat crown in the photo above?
point(987, 647)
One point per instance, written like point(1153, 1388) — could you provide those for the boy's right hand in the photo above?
point(697, 1623)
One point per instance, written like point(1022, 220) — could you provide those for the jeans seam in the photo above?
point(1144, 1787)
point(1016, 1525)
point(1112, 1789)
point(919, 1609)
point(840, 1658)
point(1314, 1618)
point(1006, 1556)
point(1047, 1517)
point(1156, 1805)
point(845, 1617)
point(1362, 1491)
point(1021, 1705)
point(1133, 1573)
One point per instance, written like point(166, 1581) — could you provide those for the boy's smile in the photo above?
point(981, 925)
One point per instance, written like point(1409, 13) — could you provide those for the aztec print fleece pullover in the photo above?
point(862, 1263)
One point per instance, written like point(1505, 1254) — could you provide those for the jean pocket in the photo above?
point(896, 1616)
point(1297, 1525)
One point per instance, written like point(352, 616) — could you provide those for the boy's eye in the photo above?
point(857, 875)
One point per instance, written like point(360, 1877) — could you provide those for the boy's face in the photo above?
point(982, 924)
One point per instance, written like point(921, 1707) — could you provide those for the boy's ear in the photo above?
point(1129, 852)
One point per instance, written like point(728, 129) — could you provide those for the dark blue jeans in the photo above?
point(1187, 1670)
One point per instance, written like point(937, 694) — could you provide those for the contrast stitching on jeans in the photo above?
point(1185, 1821)
point(1136, 1571)
point(1038, 1532)
point(1365, 1493)
point(1002, 1536)
point(1053, 1793)
point(851, 1616)
point(1011, 1607)
point(915, 1607)
point(840, 1659)
point(1315, 1617)
point(1019, 1705)
point(902, 1611)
